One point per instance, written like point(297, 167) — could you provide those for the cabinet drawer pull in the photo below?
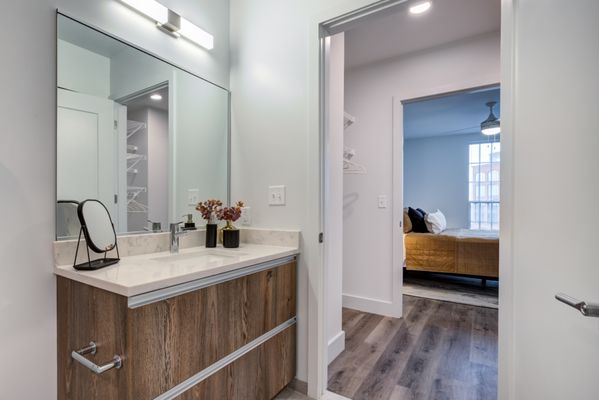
point(77, 355)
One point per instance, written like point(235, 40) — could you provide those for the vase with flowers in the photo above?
point(229, 231)
point(209, 210)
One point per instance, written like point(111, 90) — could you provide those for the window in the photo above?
point(483, 186)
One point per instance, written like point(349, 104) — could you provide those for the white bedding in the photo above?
point(471, 233)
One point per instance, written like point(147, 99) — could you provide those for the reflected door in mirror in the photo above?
point(85, 148)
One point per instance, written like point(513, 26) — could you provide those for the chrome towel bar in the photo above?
point(77, 355)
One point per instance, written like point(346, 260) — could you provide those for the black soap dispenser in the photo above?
point(189, 224)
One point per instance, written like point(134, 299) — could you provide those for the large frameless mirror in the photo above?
point(147, 139)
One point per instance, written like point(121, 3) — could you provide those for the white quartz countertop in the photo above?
point(140, 274)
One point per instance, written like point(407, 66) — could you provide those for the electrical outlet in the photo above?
point(246, 216)
point(193, 197)
point(383, 201)
point(276, 195)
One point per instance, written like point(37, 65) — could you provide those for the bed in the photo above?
point(454, 251)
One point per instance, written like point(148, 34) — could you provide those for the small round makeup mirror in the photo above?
point(97, 226)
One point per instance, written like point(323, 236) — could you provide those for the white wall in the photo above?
point(436, 175)
point(200, 114)
point(27, 164)
point(368, 267)
point(76, 64)
point(274, 78)
point(334, 193)
point(272, 136)
point(547, 350)
point(269, 111)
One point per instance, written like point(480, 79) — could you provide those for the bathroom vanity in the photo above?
point(147, 141)
point(201, 324)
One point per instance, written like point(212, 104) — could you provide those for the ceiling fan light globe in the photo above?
point(490, 130)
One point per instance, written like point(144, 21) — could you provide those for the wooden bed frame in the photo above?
point(468, 256)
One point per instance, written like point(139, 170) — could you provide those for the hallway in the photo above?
point(439, 350)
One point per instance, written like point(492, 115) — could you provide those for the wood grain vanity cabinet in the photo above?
point(166, 342)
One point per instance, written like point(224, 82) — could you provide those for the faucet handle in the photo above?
point(156, 226)
point(175, 225)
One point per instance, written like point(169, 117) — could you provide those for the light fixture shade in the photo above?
point(150, 8)
point(491, 126)
point(491, 130)
point(196, 34)
point(171, 22)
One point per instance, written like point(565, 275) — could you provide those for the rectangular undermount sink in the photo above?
point(204, 256)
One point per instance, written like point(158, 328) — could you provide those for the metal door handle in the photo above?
point(586, 309)
point(77, 355)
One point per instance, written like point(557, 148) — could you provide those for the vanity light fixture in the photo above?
point(171, 22)
point(150, 8)
point(156, 97)
point(420, 7)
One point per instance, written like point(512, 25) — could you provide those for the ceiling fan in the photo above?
point(491, 126)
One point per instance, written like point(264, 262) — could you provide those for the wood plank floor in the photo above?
point(438, 351)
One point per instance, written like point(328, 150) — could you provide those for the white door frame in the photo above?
point(338, 19)
point(506, 369)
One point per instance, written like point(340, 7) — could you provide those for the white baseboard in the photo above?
point(336, 346)
point(372, 306)
point(332, 396)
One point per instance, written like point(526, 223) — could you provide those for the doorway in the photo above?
point(144, 154)
point(451, 169)
point(386, 295)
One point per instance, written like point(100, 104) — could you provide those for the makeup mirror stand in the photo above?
point(98, 263)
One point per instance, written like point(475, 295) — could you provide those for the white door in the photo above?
point(86, 167)
point(554, 153)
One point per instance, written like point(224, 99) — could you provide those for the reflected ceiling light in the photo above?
point(171, 22)
point(491, 125)
point(156, 97)
point(420, 7)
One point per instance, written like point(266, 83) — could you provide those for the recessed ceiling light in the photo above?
point(156, 97)
point(420, 8)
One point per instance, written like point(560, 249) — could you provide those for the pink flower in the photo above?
point(209, 208)
point(230, 213)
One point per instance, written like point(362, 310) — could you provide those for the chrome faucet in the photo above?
point(175, 233)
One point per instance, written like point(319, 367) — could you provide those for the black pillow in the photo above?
point(417, 218)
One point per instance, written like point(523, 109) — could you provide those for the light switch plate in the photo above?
point(276, 195)
point(383, 201)
point(193, 197)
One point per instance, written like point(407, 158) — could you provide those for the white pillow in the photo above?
point(435, 222)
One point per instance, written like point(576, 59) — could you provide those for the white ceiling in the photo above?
point(454, 114)
point(400, 33)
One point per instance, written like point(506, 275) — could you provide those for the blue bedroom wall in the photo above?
point(436, 175)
